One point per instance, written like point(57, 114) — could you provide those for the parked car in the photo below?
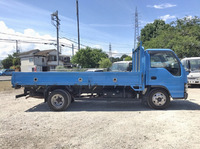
point(121, 66)
point(6, 72)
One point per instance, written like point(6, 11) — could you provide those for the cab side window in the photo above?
point(165, 60)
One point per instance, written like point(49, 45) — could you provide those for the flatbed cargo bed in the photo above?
point(132, 79)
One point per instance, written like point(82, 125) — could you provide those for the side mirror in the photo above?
point(129, 69)
point(188, 71)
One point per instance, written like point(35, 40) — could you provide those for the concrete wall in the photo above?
point(40, 61)
point(27, 64)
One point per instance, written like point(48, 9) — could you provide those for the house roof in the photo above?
point(44, 52)
point(29, 52)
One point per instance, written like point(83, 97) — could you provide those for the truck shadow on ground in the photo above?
point(92, 105)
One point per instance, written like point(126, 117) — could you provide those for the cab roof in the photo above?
point(159, 50)
point(191, 58)
point(123, 62)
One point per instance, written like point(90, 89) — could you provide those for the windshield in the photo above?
point(193, 65)
point(119, 67)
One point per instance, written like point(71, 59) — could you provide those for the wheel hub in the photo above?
point(57, 100)
point(159, 99)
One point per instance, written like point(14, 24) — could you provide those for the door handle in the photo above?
point(153, 78)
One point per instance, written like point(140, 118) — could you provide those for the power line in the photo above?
point(119, 45)
point(43, 38)
point(115, 54)
point(105, 44)
point(35, 42)
point(27, 36)
point(51, 42)
point(74, 41)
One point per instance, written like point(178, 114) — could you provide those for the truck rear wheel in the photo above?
point(59, 100)
point(158, 99)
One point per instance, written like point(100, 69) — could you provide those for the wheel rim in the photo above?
point(57, 101)
point(159, 99)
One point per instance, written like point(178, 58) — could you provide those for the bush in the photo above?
point(105, 63)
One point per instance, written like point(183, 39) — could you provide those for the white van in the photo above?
point(192, 64)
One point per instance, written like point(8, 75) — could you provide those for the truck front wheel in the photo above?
point(158, 99)
point(59, 100)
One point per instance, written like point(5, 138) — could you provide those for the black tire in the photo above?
point(59, 100)
point(158, 99)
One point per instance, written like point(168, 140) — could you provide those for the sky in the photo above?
point(102, 22)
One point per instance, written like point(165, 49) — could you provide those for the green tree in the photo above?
point(88, 58)
point(152, 30)
point(123, 57)
point(16, 59)
point(105, 63)
point(182, 36)
point(128, 58)
point(1, 66)
point(7, 62)
point(11, 60)
point(114, 59)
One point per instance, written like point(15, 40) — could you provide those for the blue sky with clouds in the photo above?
point(101, 21)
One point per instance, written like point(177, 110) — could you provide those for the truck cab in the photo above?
point(165, 70)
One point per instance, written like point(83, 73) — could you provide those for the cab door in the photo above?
point(166, 71)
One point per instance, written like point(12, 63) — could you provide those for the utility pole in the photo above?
point(54, 17)
point(17, 49)
point(61, 49)
point(110, 52)
point(136, 36)
point(72, 49)
point(77, 14)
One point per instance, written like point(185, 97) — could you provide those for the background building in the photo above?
point(36, 60)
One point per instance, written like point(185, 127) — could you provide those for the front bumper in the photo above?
point(194, 81)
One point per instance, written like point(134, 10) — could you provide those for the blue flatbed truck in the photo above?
point(156, 76)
